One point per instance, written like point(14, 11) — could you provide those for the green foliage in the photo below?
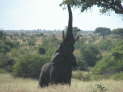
point(81, 64)
point(29, 66)
point(111, 63)
point(50, 45)
point(4, 48)
point(108, 65)
point(105, 45)
point(79, 43)
point(6, 62)
point(31, 42)
point(90, 54)
point(26, 61)
point(6, 45)
point(118, 31)
point(105, 5)
point(20, 53)
point(2, 34)
point(117, 51)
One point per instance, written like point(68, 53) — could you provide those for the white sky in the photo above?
point(47, 14)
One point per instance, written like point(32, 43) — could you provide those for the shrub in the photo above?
point(108, 65)
point(49, 43)
point(112, 63)
point(6, 45)
point(90, 54)
point(29, 66)
point(105, 45)
point(118, 31)
point(6, 62)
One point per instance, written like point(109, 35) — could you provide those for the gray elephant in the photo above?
point(59, 70)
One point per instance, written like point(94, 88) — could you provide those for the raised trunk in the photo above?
point(69, 39)
point(70, 21)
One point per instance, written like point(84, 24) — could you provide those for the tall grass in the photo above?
point(11, 84)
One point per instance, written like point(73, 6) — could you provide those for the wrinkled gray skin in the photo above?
point(59, 70)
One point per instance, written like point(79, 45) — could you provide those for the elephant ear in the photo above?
point(75, 33)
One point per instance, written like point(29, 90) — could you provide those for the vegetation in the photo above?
point(90, 54)
point(111, 63)
point(10, 84)
point(100, 58)
point(22, 56)
point(29, 66)
point(103, 31)
point(104, 5)
point(118, 32)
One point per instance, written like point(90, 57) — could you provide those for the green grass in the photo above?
point(11, 84)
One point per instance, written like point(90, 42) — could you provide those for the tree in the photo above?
point(105, 5)
point(118, 31)
point(102, 31)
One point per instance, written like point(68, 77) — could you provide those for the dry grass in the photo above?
point(10, 84)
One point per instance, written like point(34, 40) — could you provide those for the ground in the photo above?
point(11, 84)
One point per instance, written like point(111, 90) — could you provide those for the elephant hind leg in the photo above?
point(43, 81)
point(44, 78)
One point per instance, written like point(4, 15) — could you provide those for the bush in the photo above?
point(90, 54)
point(6, 62)
point(118, 31)
point(81, 64)
point(111, 63)
point(49, 43)
point(108, 65)
point(105, 45)
point(29, 66)
point(6, 45)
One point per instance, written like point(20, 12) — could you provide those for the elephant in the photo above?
point(59, 70)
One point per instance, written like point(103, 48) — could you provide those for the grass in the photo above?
point(11, 84)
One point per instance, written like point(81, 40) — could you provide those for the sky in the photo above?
point(47, 14)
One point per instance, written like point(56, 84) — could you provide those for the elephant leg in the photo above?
point(43, 80)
